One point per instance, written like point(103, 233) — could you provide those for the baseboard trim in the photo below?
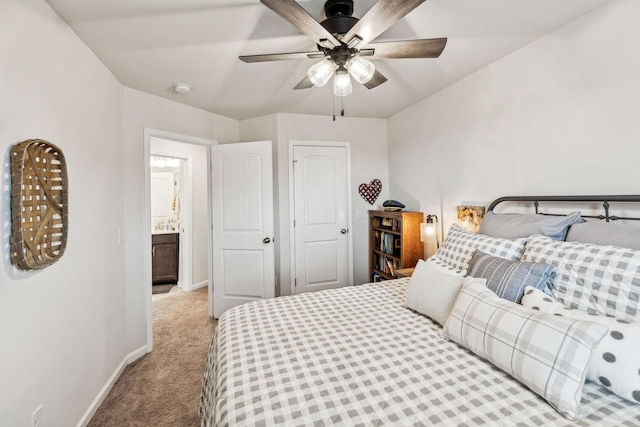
point(199, 285)
point(136, 354)
point(129, 358)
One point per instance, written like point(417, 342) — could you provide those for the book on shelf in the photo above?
point(387, 265)
point(387, 243)
point(390, 266)
point(392, 224)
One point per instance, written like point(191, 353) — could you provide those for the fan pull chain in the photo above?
point(341, 107)
point(333, 100)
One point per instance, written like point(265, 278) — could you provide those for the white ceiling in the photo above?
point(151, 44)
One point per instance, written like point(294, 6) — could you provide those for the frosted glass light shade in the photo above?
point(429, 235)
point(342, 84)
point(361, 69)
point(321, 73)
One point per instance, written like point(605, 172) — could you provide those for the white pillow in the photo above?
point(549, 354)
point(615, 362)
point(459, 245)
point(433, 289)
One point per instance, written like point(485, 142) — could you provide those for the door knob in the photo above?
point(266, 240)
point(344, 231)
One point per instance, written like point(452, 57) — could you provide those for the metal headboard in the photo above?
point(588, 199)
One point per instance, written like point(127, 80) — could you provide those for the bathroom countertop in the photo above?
point(164, 232)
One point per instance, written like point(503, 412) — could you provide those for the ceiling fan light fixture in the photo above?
point(342, 83)
point(321, 73)
point(361, 69)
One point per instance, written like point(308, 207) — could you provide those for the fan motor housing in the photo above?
point(339, 19)
point(338, 7)
point(339, 24)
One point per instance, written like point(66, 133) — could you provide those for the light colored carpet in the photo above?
point(163, 387)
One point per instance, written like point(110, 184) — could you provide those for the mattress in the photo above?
point(356, 356)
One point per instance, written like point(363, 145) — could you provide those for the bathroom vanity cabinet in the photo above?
point(165, 250)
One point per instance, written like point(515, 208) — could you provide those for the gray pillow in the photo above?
point(511, 226)
point(509, 278)
point(602, 233)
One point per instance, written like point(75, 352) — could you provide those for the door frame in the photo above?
point(292, 243)
point(186, 220)
point(146, 214)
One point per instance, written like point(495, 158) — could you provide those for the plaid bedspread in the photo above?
point(355, 356)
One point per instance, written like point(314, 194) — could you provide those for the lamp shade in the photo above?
point(361, 69)
point(429, 235)
point(342, 83)
point(321, 73)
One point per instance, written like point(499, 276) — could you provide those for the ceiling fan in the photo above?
point(344, 41)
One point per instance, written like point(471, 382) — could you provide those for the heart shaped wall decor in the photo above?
point(370, 191)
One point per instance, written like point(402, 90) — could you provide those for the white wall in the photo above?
point(265, 128)
point(62, 328)
point(560, 116)
point(368, 139)
point(68, 328)
point(142, 111)
point(199, 209)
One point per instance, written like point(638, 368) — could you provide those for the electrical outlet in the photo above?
point(36, 417)
point(120, 235)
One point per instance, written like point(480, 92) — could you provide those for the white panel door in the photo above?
point(320, 218)
point(243, 250)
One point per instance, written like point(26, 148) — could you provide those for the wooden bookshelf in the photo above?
point(394, 242)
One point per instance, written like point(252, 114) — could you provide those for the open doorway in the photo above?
point(171, 264)
point(185, 210)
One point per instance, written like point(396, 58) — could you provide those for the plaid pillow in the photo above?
point(548, 354)
point(509, 278)
point(589, 277)
point(615, 363)
point(457, 248)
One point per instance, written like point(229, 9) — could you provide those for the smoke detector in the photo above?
point(182, 88)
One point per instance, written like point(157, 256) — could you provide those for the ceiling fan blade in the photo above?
point(376, 80)
point(421, 48)
point(381, 16)
point(281, 56)
point(300, 18)
point(304, 84)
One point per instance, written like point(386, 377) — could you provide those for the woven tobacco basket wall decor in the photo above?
point(39, 204)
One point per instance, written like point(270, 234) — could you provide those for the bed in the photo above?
point(365, 355)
